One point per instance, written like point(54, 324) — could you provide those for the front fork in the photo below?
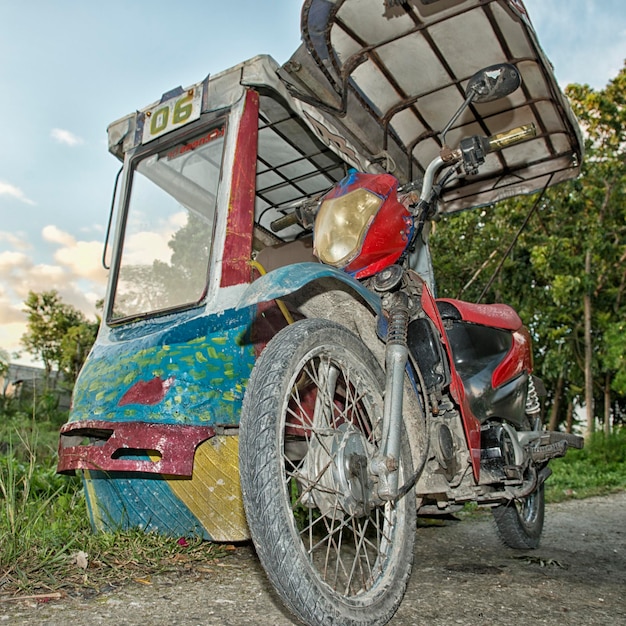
point(386, 463)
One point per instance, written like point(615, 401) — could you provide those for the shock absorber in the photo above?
point(396, 355)
point(532, 399)
point(398, 324)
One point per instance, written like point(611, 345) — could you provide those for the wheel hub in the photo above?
point(336, 473)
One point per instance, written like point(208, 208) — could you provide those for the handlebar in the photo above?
point(473, 150)
point(284, 222)
point(471, 153)
point(511, 137)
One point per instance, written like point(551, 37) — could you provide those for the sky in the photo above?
point(71, 67)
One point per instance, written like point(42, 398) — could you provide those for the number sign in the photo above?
point(171, 114)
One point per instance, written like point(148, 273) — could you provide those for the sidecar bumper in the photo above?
point(130, 447)
point(175, 479)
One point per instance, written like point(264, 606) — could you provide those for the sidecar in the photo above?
point(207, 170)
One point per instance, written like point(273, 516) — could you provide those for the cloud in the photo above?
point(83, 260)
point(10, 313)
point(53, 234)
point(76, 274)
point(79, 259)
point(10, 334)
point(6, 189)
point(10, 261)
point(17, 240)
point(66, 137)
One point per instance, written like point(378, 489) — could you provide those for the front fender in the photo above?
point(289, 278)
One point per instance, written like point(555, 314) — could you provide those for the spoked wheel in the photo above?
point(520, 523)
point(310, 425)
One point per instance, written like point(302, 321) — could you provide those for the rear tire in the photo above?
point(310, 424)
point(520, 522)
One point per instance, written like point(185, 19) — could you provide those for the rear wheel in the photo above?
point(310, 425)
point(520, 522)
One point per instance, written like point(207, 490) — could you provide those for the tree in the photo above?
point(4, 369)
point(4, 362)
point(603, 116)
point(57, 333)
point(75, 347)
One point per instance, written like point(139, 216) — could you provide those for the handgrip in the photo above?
point(284, 222)
point(510, 137)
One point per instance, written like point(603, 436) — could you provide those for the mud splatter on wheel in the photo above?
point(311, 423)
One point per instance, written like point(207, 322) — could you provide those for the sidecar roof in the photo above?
point(390, 74)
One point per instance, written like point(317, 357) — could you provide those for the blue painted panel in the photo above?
point(203, 364)
point(124, 501)
point(285, 280)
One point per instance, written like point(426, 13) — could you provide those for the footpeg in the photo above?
point(573, 441)
point(549, 451)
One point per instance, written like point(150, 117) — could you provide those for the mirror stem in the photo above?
point(468, 100)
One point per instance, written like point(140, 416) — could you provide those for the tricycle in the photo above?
point(274, 361)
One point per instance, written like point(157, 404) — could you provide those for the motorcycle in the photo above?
point(349, 431)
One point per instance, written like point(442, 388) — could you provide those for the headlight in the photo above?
point(341, 225)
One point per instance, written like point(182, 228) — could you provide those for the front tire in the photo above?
point(310, 424)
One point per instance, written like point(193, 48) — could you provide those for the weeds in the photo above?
point(46, 543)
point(598, 469)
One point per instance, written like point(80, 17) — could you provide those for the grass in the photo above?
point(46, 543)
point(598, 469)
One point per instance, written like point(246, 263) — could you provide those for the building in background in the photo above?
point(27, 383)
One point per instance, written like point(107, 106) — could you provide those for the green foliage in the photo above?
point(44, 523)
point(614, 353)
point(35, 508)
point(31, 429)
point(57, 333)
point(4, 361)
point(599, 468)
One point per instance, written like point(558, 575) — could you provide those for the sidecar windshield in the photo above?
point(169, 226)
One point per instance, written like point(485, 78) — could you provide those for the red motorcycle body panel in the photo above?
point(471, 424)
point(496, 315)
point(489, 355)
point(517, 361)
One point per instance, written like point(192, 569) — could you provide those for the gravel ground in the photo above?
point(462, 575)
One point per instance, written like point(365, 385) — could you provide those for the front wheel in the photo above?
point(310, 425)
point(520, 522)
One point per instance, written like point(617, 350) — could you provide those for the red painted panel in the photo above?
point(495, 315)
point(518, 360)
point(114, 443)
point(147, 392)
point(238, 244)
point(471, 424)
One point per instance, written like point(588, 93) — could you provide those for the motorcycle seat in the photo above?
point(298, 251)
point(493, 315)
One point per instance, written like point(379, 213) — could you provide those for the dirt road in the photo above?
point(462, 575)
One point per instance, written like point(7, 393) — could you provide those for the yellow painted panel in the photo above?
point(213, 494)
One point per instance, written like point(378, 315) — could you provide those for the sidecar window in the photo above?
point(169, 227)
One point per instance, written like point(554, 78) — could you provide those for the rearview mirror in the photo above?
point(493, 83)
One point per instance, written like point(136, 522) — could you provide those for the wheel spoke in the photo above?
point(323, 414)
point(326, 402)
